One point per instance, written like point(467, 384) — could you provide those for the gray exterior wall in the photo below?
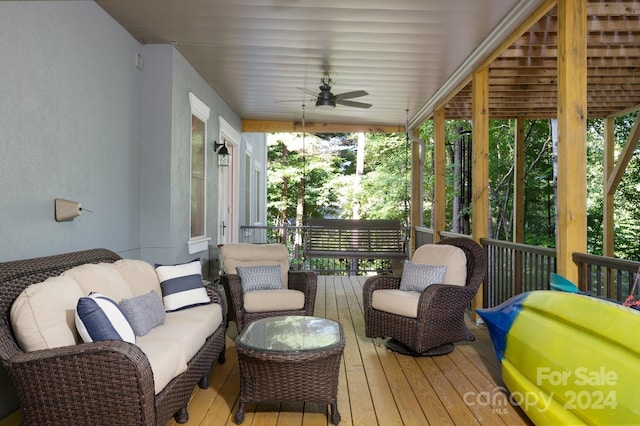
point(79, 120)
point(70, 114)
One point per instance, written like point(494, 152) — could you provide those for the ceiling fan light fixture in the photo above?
point(325, 103)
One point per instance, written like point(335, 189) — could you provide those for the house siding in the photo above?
point(79, 120)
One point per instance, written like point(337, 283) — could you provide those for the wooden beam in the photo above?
point(626, 111)
point(439, 206)
point(522, 29)
point(480, 164)
point(268, 126)
point(572, 137)
point(624, 159)
point(607, 210)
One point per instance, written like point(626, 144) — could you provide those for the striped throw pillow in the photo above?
point(182, 286)
point(100, 318)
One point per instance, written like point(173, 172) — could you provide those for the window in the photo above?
point(197, 177)
point(258, 202)
point(198, 185)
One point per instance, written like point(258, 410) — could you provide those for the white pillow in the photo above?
point(182, 286)
point(100, 318)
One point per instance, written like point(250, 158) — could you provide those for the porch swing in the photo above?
point(351, 239)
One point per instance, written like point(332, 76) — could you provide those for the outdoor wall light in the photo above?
point(224, 157)
point(66, 210)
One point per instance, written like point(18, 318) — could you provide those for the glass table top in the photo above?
point(291, 334)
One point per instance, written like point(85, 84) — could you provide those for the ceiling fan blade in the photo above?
point(353, 104)
point(307, 91)
point(295, 100)
point(351, 95)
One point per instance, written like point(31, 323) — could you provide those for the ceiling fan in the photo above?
point(326, 99)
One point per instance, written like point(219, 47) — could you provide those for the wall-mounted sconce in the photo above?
point(224, 158)
point(66, 210)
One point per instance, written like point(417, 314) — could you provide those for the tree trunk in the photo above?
point(356, 186)
point(457, 186)
point(358, 178)
point(284, 192)
point(554, 159)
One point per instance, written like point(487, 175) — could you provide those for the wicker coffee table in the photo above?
point(289, 359)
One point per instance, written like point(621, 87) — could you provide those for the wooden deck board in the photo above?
point(376, 387)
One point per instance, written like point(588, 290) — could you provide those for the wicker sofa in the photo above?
point(103, 382)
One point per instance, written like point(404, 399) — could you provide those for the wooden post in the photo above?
point(571, 235)
point(480, 163)
point(439, 205)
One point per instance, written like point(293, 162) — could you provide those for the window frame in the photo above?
point(199, 111)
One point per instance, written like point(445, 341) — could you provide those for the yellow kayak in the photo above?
point(568, 358)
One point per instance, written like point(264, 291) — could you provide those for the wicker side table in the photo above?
point(289, 359)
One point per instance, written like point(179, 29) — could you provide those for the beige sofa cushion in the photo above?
point(105, 278)
point(273, 300)
point(43, 315)
point(184, 331)
point(140, 275)
point(399, 302)
point(166, 357)
point(189, 327)
point(442, 254)
point(244, 254)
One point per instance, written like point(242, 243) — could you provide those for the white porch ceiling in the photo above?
point(256, 53)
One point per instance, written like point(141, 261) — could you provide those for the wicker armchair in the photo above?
point(440, 318)
point(243, 254)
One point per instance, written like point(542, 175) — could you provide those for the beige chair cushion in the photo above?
point(399, 302)
point(244, 254)
point(442, 254)
point(43, 315)
point(105, 278)
point(273, 300)
point(140, 275)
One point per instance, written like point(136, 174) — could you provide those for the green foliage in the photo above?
point(327, 163)
point(323, 169)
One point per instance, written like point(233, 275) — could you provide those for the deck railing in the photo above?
point(606, 276)
point(512, 268)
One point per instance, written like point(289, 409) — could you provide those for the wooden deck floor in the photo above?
point(376, 387)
